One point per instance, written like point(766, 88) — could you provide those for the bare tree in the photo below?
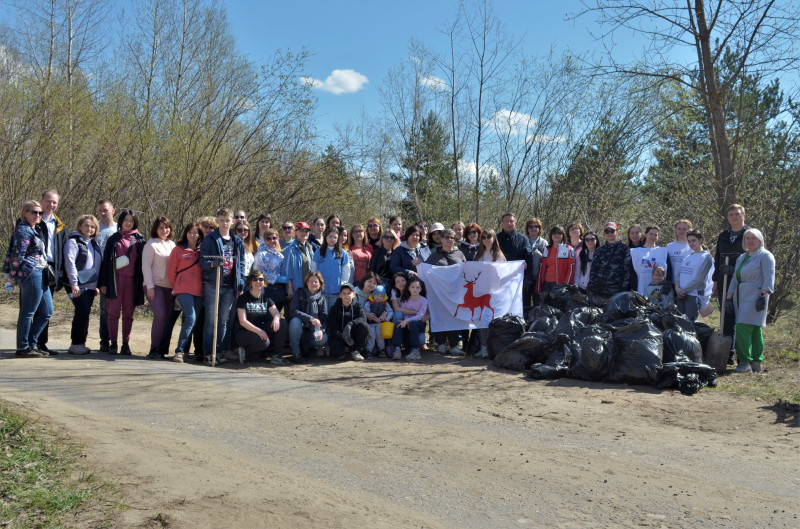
point(760, 36)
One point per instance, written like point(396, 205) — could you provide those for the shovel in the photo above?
point(719, 346)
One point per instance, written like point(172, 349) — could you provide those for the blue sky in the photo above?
point(370, 37)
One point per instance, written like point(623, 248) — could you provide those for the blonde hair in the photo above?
point(27, 207)
point(208, 221)
point(757, 234)
point(90, 218)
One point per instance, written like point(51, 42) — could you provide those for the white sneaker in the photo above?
point(242, 355)
point(439, 349)
point(397, 355)
point(414, 355)
point(456, 351)
point(178, 358)
point(78, 349)
point(357, 356)
point(755, 367)
point(483, 353)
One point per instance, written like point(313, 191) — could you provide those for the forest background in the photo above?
point(175, 119)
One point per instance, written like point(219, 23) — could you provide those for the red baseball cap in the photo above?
point(302, 226)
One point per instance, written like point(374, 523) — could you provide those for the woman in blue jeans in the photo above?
point(26, 265)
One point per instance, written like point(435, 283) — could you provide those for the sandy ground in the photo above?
point(443, 443)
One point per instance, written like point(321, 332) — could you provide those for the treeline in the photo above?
point(173, 118)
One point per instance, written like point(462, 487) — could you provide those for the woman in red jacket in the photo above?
point(185, 276)
point(558, 262)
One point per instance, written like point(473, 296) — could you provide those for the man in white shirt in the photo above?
point(54, 241)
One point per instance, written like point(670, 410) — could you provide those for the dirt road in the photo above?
point(445, 443)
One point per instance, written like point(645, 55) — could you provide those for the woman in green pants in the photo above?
point(748, 296)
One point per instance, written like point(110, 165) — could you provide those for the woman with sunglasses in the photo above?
point(381, 260)
point(611, 268)
point(583, 261)
point(242, 229)
point(374, 232)
point(287, 234)
point(558, 262)
point(271, 261)
point(489, 249)
point(472, 241)
point(26, 262)
point(447, 255)
point(533, 230)
point(259, 324)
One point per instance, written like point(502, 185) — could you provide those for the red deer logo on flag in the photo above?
point(472, 302)
point(469, 295)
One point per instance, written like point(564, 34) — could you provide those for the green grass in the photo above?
point(780, 380)
point(39, 479)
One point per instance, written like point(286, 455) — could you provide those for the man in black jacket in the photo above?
point(515, 246)
point(729, 244)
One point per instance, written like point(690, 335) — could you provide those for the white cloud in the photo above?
point(433, 83)
point(468, 168)
point(512, 123)
point(339, 82)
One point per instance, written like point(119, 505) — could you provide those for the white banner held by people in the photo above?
point(469, 295)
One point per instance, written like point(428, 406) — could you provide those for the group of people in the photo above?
point(355, 293)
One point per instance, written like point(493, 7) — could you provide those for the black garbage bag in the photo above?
point(556, 365)
point(503, 331)
point(560, 296)
point(680, 346)
point(595, 356)
point(543, 324)
point(678, 321)
point(567, 328)
point(624, 322)
point(627, 304)
point(520, 354)
point(688, 377)
point(543, 310)
point(586, 315)
point(703, 332)
point(640, 347)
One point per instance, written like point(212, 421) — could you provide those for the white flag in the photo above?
point(469, 295)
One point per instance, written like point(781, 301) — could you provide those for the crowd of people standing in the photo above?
point(324, 289)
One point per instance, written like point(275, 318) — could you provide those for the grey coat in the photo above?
point(757, 275)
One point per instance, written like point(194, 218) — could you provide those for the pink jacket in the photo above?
point(184, 273)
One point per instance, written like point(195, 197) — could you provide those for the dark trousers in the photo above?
point(103, 320)
point(450, 336)
point(166, 335)
point(80, 319)
point(359, 332)
point(255, 346)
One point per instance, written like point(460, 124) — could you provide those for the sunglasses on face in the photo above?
point(373, 225)
point(259, 279)
point(609, 231)
point(242, 230)
point(35, 212)
point(388, 237)
point(590, 239)
point(239, 217)
point(273, 238)
point(486, 237)
point(287, 228)
point(448, 237)
point(422, 226)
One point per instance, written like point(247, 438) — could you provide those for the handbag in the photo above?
point(122, 261)
point(87, 276)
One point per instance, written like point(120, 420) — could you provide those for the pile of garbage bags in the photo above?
point(625, 339)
